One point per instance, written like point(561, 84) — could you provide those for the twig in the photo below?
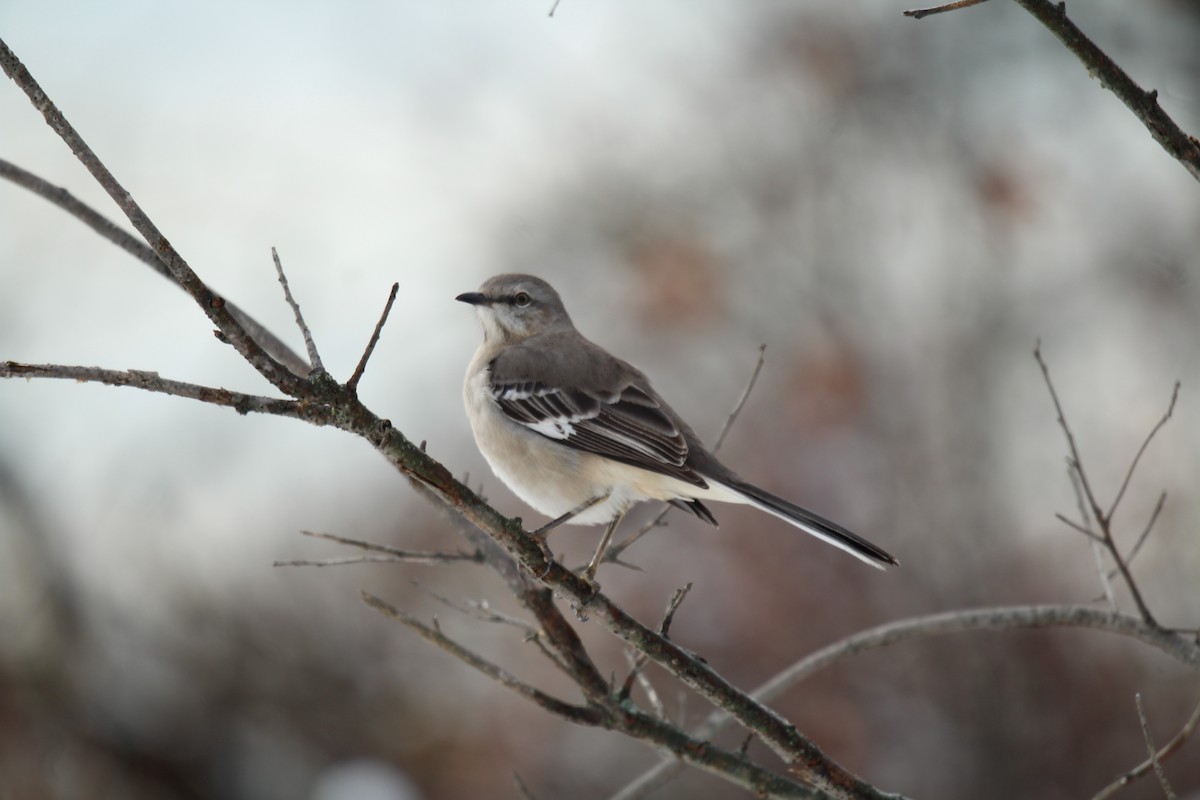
point(1073, 525)
point(741, 403)
point(1137, 546)
point(672, 607)
point(414, 558)
point(352, 384)
point(638, 663)
point(636, 670)
point(152, 382)
point(921, 13)
point(1146, 443)
point(1097, 542)
point(138, 249)
point(1168, 750)
point(1151, 749)
point(394, 551)
point(314, 358)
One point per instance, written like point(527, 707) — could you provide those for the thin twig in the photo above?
point(921, 13)
point(741, 403)
point(1097, 544)
point(1137, 546)
point(399, 555)
point(672, 607)
point(1146, 443)
point(352, 384)
point(1151, 749)
point(153, 382)
point(636, 670)
point(638, 663)
point(413, 558)
point(1168, 750)
point(314, 358)
point(1075, 526)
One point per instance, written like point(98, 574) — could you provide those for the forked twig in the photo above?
point(1102, 519)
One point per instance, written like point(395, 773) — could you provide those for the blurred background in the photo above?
point(898, 209)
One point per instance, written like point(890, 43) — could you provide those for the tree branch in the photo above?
point(1182, 147)
point(138, 249)
point(213, 305)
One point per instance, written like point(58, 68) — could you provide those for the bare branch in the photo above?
point(1102, 520)
point(314, 358)
point(152, 382)
point(352, 384)
point(394, 551)
point(1168, 750)
point(139, 250)
point(212, 304)
point(1144, 105)
point(921, 13)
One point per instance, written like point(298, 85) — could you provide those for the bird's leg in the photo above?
point(589, 574)
point(541, 533)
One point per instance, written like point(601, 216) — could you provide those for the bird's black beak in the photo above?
point(474, 298)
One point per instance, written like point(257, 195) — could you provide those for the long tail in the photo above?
point(813, 524)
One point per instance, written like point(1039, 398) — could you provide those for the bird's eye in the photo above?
point(521, 299)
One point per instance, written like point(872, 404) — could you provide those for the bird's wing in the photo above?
point(624, 421)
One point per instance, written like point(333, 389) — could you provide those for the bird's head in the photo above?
point(512, 308)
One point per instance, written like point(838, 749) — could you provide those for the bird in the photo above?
point(581, 435)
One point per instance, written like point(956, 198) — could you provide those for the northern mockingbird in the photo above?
point(580, 435)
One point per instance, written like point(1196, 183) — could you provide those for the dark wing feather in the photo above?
point(630, 426)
